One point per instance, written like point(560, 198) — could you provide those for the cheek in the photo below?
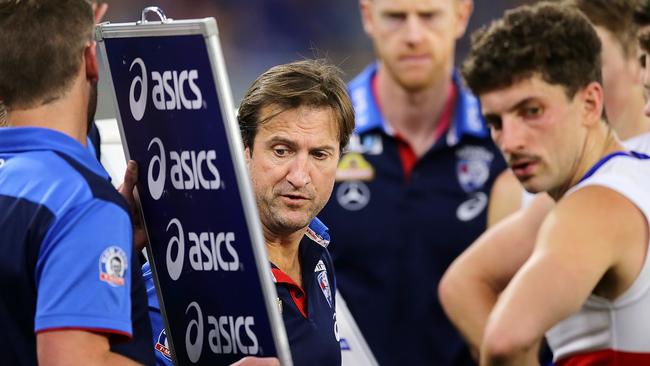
point(325, 176)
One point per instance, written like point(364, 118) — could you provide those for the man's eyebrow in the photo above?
point(292, 144)
point(521, 104)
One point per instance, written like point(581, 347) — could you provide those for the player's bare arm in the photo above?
point(577, 253)
point(471, 285)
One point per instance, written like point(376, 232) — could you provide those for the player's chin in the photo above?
point(533, 185)
point(295, 219)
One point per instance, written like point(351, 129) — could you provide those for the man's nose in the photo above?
point(510, 138)
point(414, 34)
point(299, 171)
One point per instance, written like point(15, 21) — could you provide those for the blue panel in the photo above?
point(194, 216)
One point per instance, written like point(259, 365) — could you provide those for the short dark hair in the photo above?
point(42, 43)
point(313, 83)
point(554, 41)
point(615, 16)
point(642, 13)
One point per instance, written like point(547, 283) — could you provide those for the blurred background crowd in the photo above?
point(257, 34)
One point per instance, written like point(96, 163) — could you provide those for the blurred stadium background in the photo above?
point(257, 34)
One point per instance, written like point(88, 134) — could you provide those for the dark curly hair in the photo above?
point(554, 41)
point(642, 13)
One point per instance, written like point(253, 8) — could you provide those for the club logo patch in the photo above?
point(113, 264)
point(162, 345)
point(473, 167)
point(324, 284)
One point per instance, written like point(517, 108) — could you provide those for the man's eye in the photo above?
point(395, 17)
point(493, 123)
point(320, 155)
point(532, 112)
point(280, 151)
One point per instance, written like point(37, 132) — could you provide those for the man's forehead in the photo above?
point(389, 5)
point(318, 120)
point(504, 99)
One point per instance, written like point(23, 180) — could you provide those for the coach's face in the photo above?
point(541, 132)
point(292, 165)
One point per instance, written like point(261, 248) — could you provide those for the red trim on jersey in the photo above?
point(607, 357)
point(121, 336)
point(406, 153)
point(298, 295)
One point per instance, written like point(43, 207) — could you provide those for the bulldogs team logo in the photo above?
point(324, 284)
point(473, 167)
point(113, 263)
point(162, 345)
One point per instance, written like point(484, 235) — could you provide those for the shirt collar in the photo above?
point(23, 139)
point(318, 232)
point(467, 112)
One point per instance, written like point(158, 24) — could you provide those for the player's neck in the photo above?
point(600, 142)
point(414, 114)
point(67, 114)
point(283, 251)
point(631, 121)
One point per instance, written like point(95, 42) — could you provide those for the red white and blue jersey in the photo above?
point(611, 332)
point(68, 261)
point(308, 313)
point(399, 221)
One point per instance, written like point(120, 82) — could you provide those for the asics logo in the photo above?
point(171, 89)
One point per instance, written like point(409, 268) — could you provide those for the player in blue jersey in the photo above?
point(412, 191)
point(537, 72)
point(71, 285)
point(295, 120)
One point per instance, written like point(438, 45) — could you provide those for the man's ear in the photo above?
point(365, 8)
point(247, 155)
point(464, 9)
point(90, 58)
point(593, 103)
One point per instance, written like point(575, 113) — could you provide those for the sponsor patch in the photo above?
point(113, 264)
point(320, 266)
point(354, 167)
point(472, 207)
point(353, 196)
point(162, 345)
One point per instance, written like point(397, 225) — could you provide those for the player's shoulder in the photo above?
point(594, 208)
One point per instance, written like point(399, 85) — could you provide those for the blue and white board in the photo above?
point(177, 121)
